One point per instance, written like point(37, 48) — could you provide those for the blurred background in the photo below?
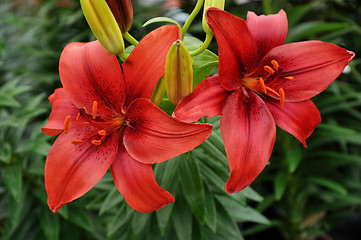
point(304, 193)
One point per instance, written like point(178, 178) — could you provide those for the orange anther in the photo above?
point(263, 86)
point(77, 117)
point(282, 96)
point(275, 64)
point(76, 141)
point(102, 132)
point(289, 78)
point(96, 142)
point(66, 124)
point(95, 108)
point(272, 91)
point(268, 69)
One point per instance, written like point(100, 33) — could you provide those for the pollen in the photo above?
point(269, 69)
point(282, 96)
point(95, 108)
point(102, 132)
point(96, 142)
point(66, 124)
point(289, 78)
point(275, 64)
point(75, 142)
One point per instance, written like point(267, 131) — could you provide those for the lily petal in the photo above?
point(145, 65)
point(207, 99)
point(152, 136)
point(268, 31)
point(89, 73)
point(71, 170)
point(248, 132)
point(61, 108)
point(237, 48)
point(136, 182)
point(297, 118)
point(314, 65)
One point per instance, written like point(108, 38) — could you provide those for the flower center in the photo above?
point(106, 126)
point(265, 83)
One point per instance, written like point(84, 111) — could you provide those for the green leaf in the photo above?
point(328, 183)
point(161, 19)
point(192, 185)
point(5, 153)
point(113, 198)
point(12, 177)
point(249, 193)
point(50, 224)
point(280, 184)
point(211, 213)
point(182, 220)
point(118, 221)
point(163, 217)
point(139, 222)
point(81, 218)
point(164, 172)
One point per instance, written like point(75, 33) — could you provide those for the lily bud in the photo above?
point(123, 12)
point(207, 4)
point(158, 92)
point(103, 24)
point(178, 75)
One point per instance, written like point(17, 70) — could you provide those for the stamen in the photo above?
point(272, 91)
point(76, 141)
point(66, 124)
point(289, 78)
point(96, 142)
point(268, 69)
point(263, 86)
point(78, 117)
point(102, 132)
point(275, 64)
point(282, 96)
point(95, 108)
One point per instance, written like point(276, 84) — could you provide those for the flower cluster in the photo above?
point(106, 114)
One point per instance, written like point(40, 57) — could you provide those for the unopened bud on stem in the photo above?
point(207, 4)
point(123, 13)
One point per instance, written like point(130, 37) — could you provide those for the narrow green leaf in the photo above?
point(192, 185)
point(182, 220)
point(113, 198)
point(50, 224)
point(12, 177)
point(139, 222)
point(211, 213)
point(328, 183)
point(249, 193)
point(81, 218)
point(5, 153)
point(164, 172)
point(279, 184)
point(161, 19)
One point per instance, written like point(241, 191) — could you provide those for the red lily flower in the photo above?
point(261, 82)
point(105, 119)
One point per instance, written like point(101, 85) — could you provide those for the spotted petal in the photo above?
point(152, 136)
point(136, 182)
point(248, 132)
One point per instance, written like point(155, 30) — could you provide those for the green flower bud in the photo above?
point(158, 91)
point(123, 13)
point(178, 75)
point(103, 24)
point(207, 4)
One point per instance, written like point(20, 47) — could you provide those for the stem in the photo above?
point(123, 56)
point(130, 38)
point(191, 17)
point(267, 8)
point(204, 46)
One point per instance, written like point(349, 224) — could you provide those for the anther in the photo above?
point(102, 132)
point(263, 86)
point(282, 96)
point(289, 78)
point(78, 117)
point(272, 91)
point(275, 64)
point(96, 142)
point(95, 108)
point(268, 69)
point(76, 141)
point(66, 124)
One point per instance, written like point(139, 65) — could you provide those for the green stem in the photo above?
point(204, 46)
point(130, 39)
point(123, 56)
point(191, 17)
point(267, 8)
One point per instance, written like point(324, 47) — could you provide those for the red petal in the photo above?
point(268, 31)
point(89, 73)
point(136, 182)
point(152, 136)
point(298, 118)
point(314, 65)
point(237, 48)
point(61, 108)
point(72, 170)
point(145, 64)
point(248, 132)
point(207, 99)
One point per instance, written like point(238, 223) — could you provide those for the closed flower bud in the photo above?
point(123, 12)
point(207, 4)
point(103, 24)
point(158, 91)
point(178, 75)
